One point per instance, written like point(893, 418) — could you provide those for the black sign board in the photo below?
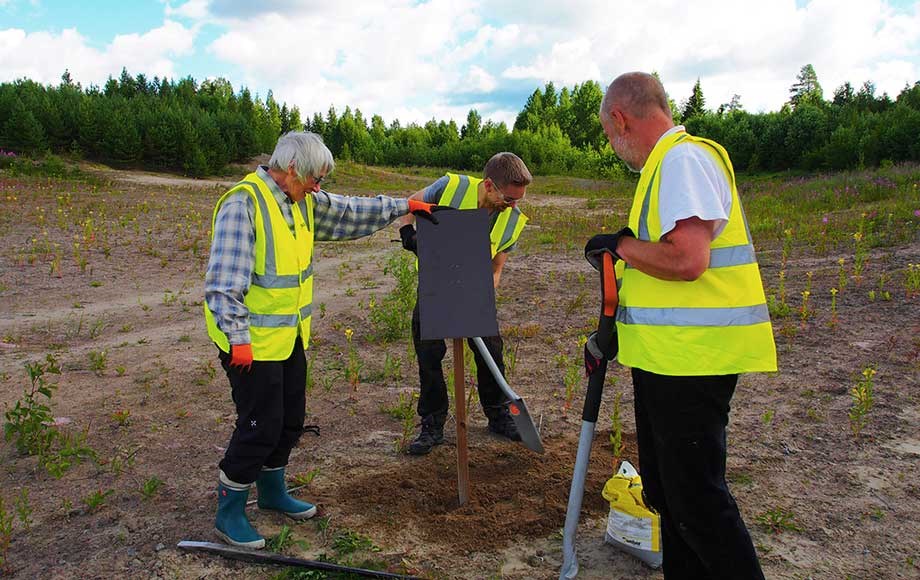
point(456, 295)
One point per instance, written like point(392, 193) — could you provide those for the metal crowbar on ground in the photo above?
point(606, 327)
point(530, 437)
point(259, 557)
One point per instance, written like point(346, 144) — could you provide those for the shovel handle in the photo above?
point(606, 325)
point(609, 301)
point(490, 362)
point(594, 393)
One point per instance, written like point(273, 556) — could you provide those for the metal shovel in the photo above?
point(516, 407)
point(605, 333)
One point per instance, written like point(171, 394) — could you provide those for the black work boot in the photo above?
point(501, 423)
point(432, 434)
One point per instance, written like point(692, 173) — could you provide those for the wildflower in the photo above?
point(917, 211)
point(348, 334)
point(824, 219)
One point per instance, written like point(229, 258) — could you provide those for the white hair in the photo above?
point(303, 150)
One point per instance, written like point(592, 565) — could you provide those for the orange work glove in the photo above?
point(241, 356)
point(422, 209)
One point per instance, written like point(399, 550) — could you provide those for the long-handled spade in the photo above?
point(516, 407)
point(605, 333)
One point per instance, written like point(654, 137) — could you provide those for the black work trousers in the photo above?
point(270, 407)
point(433, 397)
point(680, 427)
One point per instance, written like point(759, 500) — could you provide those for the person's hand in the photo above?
point(594, 354)
point(601, 243)
point(426, 210)
point(409, 239)
point(241, 357)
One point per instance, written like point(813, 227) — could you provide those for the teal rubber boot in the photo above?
point(232, 525)
point(273, 495)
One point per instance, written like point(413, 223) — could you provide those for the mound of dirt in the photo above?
point(514, 493)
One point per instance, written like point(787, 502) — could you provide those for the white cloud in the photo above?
point(479, 80)
point(568, 63)
point(381, 57)
point(43, 56)
point(193, 9)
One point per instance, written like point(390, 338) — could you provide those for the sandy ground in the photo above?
point(855, 502)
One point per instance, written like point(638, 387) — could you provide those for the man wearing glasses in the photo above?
point(504, 184)
point(258, 306)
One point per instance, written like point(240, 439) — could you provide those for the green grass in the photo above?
point(882, 202)
point(354, 178)
point(820, 212)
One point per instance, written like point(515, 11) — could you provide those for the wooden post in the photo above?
point(463, 466)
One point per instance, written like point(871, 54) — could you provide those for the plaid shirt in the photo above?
point(232, 259)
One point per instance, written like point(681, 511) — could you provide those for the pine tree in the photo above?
point(731, 106)
point(695, 104)
point(806, 89)
point(531, 115)
point(285, 119)
point(23, 131)
point(844, 94)
point(586, 130)
point(294, 119)
point(473, 125)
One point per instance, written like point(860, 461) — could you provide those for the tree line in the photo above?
point(199, 128)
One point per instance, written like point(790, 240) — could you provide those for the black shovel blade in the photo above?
point(525, 426)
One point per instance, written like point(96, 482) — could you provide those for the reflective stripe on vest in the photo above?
point(718, 324)
point(462, 192)
point(280, 295)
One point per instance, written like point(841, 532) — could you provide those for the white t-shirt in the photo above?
point(693, 184)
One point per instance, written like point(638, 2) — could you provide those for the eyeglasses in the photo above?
point(507, 198)
point(318, 180)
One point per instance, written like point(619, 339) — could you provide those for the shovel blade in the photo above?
point(525, 426)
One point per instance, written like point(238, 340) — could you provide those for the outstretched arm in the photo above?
point(339, 217)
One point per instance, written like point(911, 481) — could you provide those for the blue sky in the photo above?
point(416, 60)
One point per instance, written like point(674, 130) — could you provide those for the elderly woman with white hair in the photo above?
point(258, 306)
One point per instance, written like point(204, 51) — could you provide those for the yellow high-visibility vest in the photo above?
point(462, 192)
point(718, 324)
point(280, 296)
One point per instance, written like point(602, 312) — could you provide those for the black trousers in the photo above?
point(680, 427)
point(433, 397)
point(270, 407)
